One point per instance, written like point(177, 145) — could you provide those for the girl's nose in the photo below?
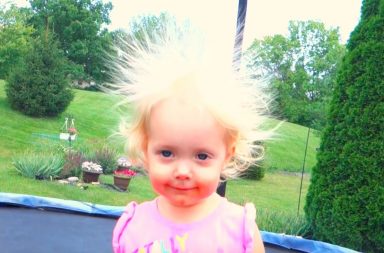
point(183, 171)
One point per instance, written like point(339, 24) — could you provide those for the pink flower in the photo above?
point(125, 173)
point(72, 130)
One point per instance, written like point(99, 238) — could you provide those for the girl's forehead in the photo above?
point(176, 123)
point(180, 108)
point(178, 113)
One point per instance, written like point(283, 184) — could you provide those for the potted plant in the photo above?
point(91, 171)
point(122, 178)
point(123, 163)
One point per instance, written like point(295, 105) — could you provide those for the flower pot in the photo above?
point(89, 177)
point(121, 182)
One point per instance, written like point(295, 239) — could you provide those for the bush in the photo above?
point(345, 200)
point(95, 152)
point(72, 165)
point(39, 165)
point(107, 158)
point(255, 172)
point(39, 87)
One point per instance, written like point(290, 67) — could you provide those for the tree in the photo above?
point(143, 29)
point(345, 200)
point(39, 86)
point(15, 36)
point(78, 26)
point(300, 69)
point(147, 27)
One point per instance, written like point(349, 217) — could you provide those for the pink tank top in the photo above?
point(142, 229)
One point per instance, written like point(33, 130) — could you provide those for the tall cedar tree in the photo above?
point(39, 87)
point(345, 201)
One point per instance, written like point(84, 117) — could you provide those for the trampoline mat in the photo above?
point(32, 230)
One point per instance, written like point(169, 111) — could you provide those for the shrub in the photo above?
point(103, 155)
point(39, 165)
point(39, 86)
point(107, 158)
point(345, 200)
point(72, 165)
point(255, 172)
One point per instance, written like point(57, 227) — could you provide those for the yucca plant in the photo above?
point(39, 165)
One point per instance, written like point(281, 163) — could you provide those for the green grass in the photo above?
point(286, 150)
point(97, 119)
point(275, 192)
point(276, 196)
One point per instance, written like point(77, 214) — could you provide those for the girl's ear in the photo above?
point(144, 150)
point(230, 152)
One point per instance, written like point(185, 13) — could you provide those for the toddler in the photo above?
point(196, 120)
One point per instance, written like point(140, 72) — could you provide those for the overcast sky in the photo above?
point(264, 17)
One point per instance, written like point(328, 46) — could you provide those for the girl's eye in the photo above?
point(202, 156)
point(166, 153)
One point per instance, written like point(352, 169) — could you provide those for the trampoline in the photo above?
point(49, 225)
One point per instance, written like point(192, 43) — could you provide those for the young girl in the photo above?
point(195, 121)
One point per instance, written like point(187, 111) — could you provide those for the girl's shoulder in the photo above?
point(246, 212)
point(133, 207)
point(131, 210)
point(244, 219)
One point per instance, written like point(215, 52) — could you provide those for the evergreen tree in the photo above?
point(345, 200)
point(39, 87)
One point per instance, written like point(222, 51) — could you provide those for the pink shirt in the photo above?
point(141, 228)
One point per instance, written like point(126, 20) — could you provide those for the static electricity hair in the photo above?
point(179, 60)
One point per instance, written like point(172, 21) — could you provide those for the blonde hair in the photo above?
point(180, 61)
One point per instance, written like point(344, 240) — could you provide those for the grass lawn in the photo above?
point(97, 119)
point(286, 151)
point(277, 191)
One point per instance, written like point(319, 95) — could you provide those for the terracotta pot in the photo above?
point(121, 182)
point(89, 177)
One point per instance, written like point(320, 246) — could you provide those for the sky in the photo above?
point(264, 17)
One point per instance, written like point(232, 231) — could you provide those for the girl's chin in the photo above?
point(188, 201)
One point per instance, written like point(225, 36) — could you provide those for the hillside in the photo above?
point(97, 119)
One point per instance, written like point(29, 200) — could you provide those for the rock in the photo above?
point(73, 180)
point(63, 182)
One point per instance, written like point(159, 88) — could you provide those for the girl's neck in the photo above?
point(188, 214)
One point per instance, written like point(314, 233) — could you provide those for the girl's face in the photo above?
point(186, 151)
